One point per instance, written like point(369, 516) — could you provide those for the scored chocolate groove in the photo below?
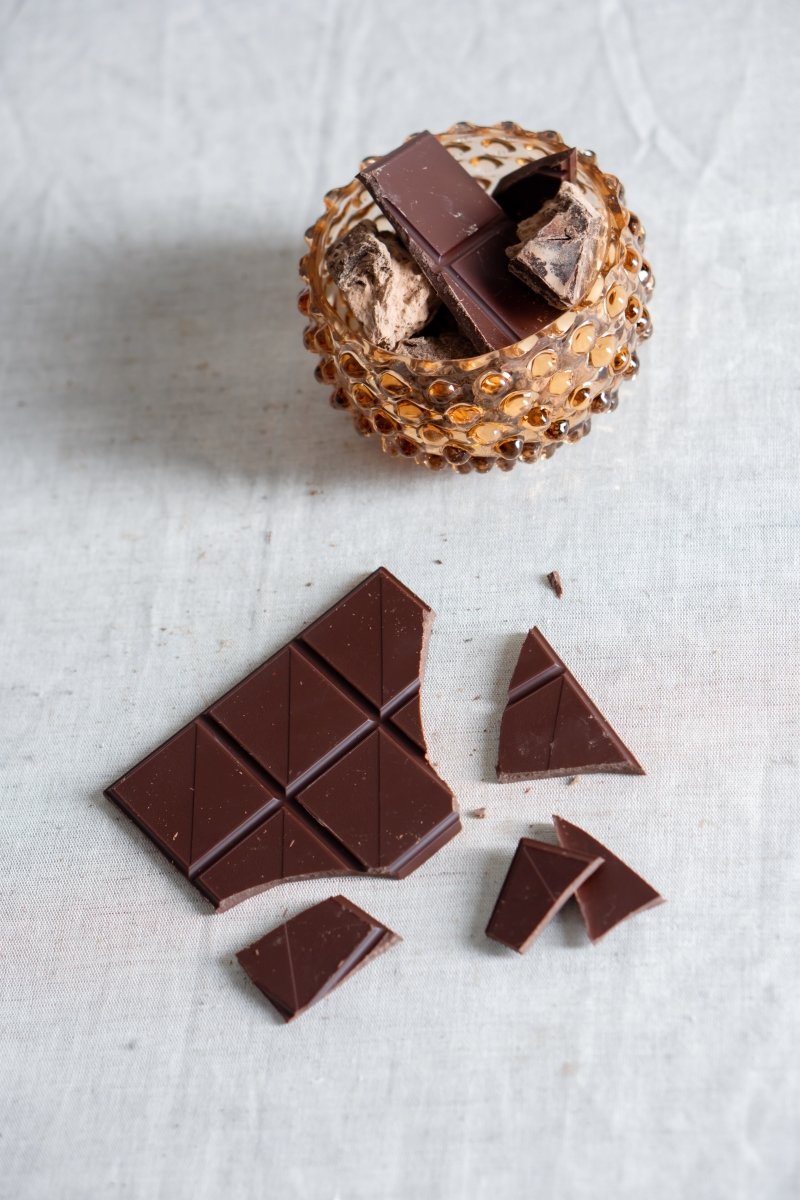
point(314, 764)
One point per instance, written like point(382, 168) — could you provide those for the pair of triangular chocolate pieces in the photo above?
point(550, 727)
point(542, 878)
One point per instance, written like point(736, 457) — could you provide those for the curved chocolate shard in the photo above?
point(522, 193)
point(231, 798)
point(540, 880)
point(303, 960)
point(614, 892)
point(550, 727)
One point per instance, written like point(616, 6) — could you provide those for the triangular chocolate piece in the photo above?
point(540, 880)
point(228, 796)
point(282, 847)
point(256, 713)
point(380, 802)
point(404, 637)
point(614, 892)
point(304, 959)
point(550, 727)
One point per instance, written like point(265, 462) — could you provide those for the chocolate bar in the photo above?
point(614, 892)
point(315, 764)
point(521, 193)
point(458, 235)
point(540, 880)
point(550, 727)
point(303, 960)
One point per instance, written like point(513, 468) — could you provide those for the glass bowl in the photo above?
point(519, 403)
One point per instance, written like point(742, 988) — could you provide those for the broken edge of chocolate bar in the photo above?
point(315, 764)
point(550, 727)
point(303, 960)
point(540, 880)
point(559, 247)
point(614, 892)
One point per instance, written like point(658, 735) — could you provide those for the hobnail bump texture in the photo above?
point(516, 404)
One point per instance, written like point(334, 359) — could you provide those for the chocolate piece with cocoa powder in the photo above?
point(559, 247)
point(385, 289)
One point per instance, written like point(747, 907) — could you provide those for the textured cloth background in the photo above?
point(177, 499)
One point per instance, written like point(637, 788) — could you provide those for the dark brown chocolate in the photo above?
point(312, 765)
point(303, 960)
point(614, 892)
point(458, 235)
point(540, 880)
point(559, 247)
point(523, 192)
point(550, 727)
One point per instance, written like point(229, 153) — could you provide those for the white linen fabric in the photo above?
point(177, 499)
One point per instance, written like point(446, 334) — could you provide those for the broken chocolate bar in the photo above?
point(614, 892)
point(313, 765)
point(522, 193)
point(303, 960)
point(540, 880)
point(458, 236)
point(385, 289)
point(559, 247)
point(550, 727)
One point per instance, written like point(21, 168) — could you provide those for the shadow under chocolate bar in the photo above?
point(458, 235)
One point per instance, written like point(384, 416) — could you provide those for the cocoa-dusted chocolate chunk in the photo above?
point(521, 193)
point(614, 892)
point(558, 249)
point(458, 235)
point(540, 880)
point(303, 960)
point(385, 289)
point(315, 764)
point(550, 727)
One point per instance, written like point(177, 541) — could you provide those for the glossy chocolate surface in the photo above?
point(313, 765)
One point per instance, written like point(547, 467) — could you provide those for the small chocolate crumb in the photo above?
point(572, 779)
point(480, 813)
point(554, 579)
point(437, 562)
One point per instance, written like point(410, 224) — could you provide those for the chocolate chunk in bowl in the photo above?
point(494, 408)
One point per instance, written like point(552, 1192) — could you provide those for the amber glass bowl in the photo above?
point(518, 403)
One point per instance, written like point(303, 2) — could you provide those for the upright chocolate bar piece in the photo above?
point(559, 247)
point(540, 880)
point(550, 727)
point(614, 892)
point(523, 192)
point(458, 234)
point(315, 764)
point(303, 960)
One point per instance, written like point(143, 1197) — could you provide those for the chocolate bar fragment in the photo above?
point(614, 892)
point(540, 880)
point(550, 727)
point(522, 193)
point(303, 960)
point(554, 579)
point(559, 247)
point(458, 235)
point(315, 764)
point(385, 289)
